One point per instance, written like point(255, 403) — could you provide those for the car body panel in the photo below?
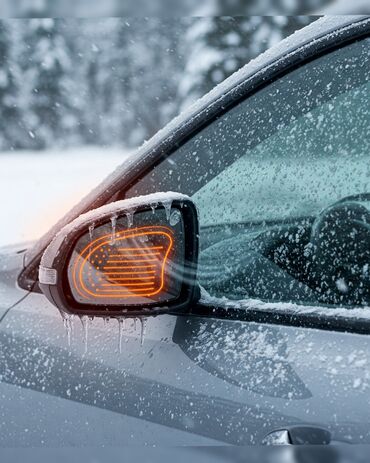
point(194, 381)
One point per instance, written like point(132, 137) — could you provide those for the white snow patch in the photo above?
point(361, 313)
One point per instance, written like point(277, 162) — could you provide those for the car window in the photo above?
point(282, 185)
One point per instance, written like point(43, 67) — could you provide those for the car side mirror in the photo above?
point(135, 257)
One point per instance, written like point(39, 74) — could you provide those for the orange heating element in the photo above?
point(129, 264)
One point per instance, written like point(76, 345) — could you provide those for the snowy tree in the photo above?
point(130, 70)
point(50, 115)
point(149, 68)
point(261, 7)
point(95, 62)
point(9, 114)
point(218, 46)
point(117, 81)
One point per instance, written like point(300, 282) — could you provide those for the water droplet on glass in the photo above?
point(143, 239)
point(342, 285)
point(175, 217)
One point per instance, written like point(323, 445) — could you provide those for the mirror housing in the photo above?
point(128, 258)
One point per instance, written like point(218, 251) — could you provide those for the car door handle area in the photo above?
point(298, 435)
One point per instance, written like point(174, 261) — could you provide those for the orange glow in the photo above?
point(106, 269)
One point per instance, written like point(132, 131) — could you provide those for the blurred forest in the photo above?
point(116, 81)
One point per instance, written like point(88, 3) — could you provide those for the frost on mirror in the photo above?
point(129, 260)
point(282, 185)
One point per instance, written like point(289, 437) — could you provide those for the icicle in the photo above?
point(91, 231)
point(71, 317)
point(113, 219)
point(91, 234)
point(68, 325)
point(167, 206)
point(69, 332)
point(121, 327)
point(153, 207)
point(130, 218)
point(143, 329)
point(85, 326)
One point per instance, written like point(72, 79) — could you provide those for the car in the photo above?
point(270, 342)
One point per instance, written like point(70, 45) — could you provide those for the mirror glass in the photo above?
point(133, 258)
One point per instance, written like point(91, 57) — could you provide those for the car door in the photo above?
point(280, 181)
point(265, 349)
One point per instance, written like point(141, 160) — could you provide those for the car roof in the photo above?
point(308, 37)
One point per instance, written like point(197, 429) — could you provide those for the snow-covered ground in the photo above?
point(37, 188)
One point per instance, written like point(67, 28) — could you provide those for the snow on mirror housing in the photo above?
point(128, 258)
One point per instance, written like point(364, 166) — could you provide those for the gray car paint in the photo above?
point(195, 381)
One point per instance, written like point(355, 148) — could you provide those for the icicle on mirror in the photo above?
point(132, 259)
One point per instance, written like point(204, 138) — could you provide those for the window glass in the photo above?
point(282, 184)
